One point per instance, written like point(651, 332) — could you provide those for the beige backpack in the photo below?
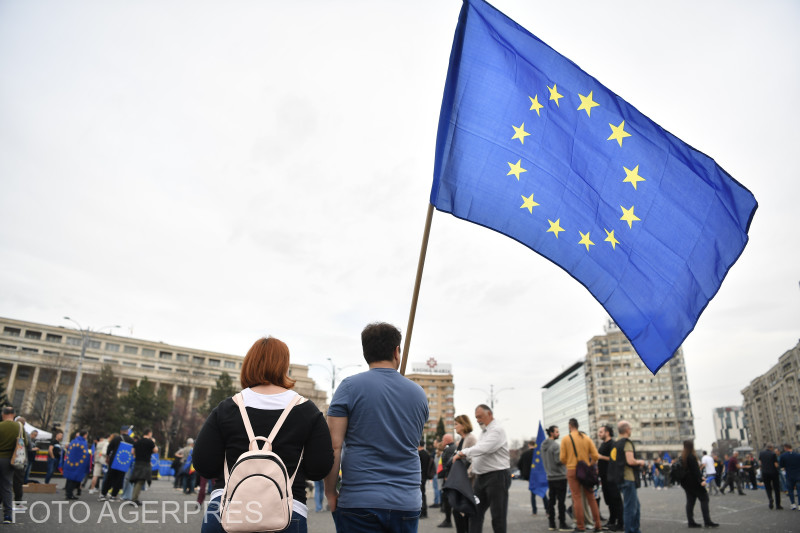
point(258, 489)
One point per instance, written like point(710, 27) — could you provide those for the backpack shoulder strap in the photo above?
point(297, 399)
point(573, 446)
point(238, 399)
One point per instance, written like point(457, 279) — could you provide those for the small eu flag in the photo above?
point(124, 457)
point(531, 146)
point(538, 479)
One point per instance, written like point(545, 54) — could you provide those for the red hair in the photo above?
point(267, 363)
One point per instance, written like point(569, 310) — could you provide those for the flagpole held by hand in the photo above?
point(417, 283)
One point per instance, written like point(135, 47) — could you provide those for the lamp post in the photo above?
point(334, 371)
point(492, 394)
point(79, 373)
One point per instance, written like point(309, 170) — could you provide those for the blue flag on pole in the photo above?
point(537, 483)
point(124, 457)
point(531, 146)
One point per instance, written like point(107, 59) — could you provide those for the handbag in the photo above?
point(586, 473)
point(20, 457)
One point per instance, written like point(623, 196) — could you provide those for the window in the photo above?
point(130, 349)
point(213, 362)
point(26, 349)
point(110, 361)
point(148, 352)
point(19, 395)
point(147, 366)
point(198, 373)
point(23, 373)
point(61, 406)
point(35, 335)
point(128, 363)
point(167, 368)
point(50, 352)
point(182, 357)
point(198, 360)
point(66, 379)
point(11, 332)
point(165, 355)
point(74, 341)
point(112, 347)
point(95, 345)
point(51, 337)
point(8, 347)
point(230, 364)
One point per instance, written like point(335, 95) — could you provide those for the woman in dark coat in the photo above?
point(694, 485)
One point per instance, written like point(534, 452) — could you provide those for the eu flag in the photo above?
point(538, 479)
point(76, 459)
point(531, 146)
point(124, 457)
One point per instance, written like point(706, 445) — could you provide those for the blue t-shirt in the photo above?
point(386, 414)
point(791, 462)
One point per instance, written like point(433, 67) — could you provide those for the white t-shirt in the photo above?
point(708, 462)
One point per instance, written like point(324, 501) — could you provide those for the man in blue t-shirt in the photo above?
point(378, 416)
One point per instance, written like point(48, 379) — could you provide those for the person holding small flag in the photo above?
point(537, 476)
point(75, 463)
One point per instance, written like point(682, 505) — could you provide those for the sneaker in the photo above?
point(19, 508)
point(694, 525)
point(771, 505)
point(778, 507)
point(92, 491)
point(7, 520)
point(113, 499)
point(712, 524)
point(446, 523)
point(564, 527)
point(794, 507)
point(102, 498)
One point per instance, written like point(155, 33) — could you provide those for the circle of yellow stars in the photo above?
point(618, 134)
point(77, 462)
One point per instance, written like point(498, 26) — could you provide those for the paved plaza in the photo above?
point(169, 511)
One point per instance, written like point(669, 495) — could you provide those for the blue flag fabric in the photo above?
point(537, 483)
point(76, 459)
point(123, 459)
point(531, 146)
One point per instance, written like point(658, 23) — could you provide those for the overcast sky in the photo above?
point(204, 173)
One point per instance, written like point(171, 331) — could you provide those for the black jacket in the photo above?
point(524, 463)
point(447, 460)
point(223, 437)
point(458, 489)
point(693, 480)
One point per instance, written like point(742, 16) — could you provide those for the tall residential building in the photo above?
point(565, 397)
point(619, 387)
point(729, 424)
point(772, 403)
point(437, 380)
point(39, 365)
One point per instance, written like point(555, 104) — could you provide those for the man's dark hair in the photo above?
point(573, 422)
point(485, 408)
point(787, 446)
point(8, 410)
point(83, 433)
point(550, 430)
point(609, 429)
point(379, 341)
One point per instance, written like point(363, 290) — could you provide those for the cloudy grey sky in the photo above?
point(204, 173)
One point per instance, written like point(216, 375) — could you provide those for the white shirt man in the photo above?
point(490, 463)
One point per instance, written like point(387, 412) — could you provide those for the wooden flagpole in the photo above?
point(417, 283)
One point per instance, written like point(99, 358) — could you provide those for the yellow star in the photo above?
point(632, 176)
point(585, 240)
point(610, 238)
point(555, 227)
point(529, 203)
point(628, 216)
point(554, 93)
point(515, 169)
point(535, 105)
point(520, 133)
point(587, 103)
point(619, 133)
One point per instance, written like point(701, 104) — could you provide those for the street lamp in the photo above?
point(79, 373)
point(492, 394)
point(334, 371)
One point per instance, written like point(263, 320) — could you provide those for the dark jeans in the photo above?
point(51, 466)
point(19, 480)
point(533, 502)
point(71, 486)
point(358, 520)
point(424, 499)
point(211, 521)
point(492, 491)
point(558, 493)
point(771, 483)
point(614, 502)
point(693, 495)
point(631, 510)
point(6, 482)
point(730, 479)
point(793, 485)
point(113, 482)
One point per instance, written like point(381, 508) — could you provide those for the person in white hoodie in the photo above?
point(556, 479)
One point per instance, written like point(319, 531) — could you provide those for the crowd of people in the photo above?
point(368, 458)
